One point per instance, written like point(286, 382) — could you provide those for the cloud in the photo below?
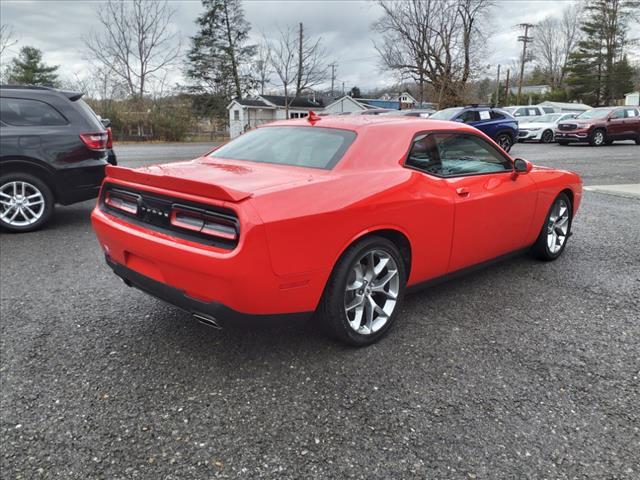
point(57, 28)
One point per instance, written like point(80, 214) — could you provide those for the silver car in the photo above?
point(541, 128)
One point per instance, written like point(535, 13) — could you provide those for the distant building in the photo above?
point(565, 106)
point(531, 89)
point(248, 113)
point(632, 99)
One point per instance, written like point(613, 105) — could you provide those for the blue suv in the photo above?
point(496, 123)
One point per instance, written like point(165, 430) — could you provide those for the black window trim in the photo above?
point(467, 134)
point(5, 123)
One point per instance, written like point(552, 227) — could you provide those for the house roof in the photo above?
point(297, 102)
point(566, 105)
point(252, 102)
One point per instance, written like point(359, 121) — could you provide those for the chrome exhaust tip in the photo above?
point(209, 321)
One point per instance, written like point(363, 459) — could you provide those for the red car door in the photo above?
point(632, 122)
point(494, 208)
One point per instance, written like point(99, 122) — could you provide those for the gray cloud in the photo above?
point(57, 27)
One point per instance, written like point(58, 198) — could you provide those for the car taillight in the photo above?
point(95, 141)
point(122, 201)
point(208, 223)
point(109, 138)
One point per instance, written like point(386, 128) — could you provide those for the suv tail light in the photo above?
point(95, 141)
point(206, 222)
point(109, 138)
point(125, 202)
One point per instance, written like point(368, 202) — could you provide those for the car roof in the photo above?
point(32, 90)
point(361, 122)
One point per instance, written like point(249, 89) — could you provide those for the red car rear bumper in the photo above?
point(227, 285)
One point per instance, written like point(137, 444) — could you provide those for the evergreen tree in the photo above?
point(29, 69)
point(593, 66)
point(355, 92)
point(622, 78)
point(219, 56)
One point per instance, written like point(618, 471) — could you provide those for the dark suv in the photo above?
point(53, 149)
point(601, 126)
point(495, 123)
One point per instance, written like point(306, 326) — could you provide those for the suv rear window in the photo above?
point(21, 112)
point(314, 147)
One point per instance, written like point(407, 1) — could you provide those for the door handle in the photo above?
point(462, 191)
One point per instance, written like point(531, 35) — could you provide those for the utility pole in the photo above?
point(506, 90)
point(497, 100)
point(300, 43)
point(333, 75)
point(524, 39)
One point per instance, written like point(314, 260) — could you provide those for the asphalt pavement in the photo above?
point(524, 370)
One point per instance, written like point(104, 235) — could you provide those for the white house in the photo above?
point(531, 89)
point(632, 99)
point(248, 113)
point(346, 104)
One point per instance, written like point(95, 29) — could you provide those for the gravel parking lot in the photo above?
point(522, 370)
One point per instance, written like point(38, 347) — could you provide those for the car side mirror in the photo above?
point(522, 166)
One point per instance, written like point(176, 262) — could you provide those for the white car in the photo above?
point(541, 129)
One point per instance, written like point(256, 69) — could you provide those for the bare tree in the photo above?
point(312, 69)
point(136, 44)
point(556, 38)
point(431, 41)
point(7, 39)
point(283, 61)
point(262, 65)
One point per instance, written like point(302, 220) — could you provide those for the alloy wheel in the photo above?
point(547, 136)
point(558, 226)
point(371, 292)
point(21, 204)
point(505, 142)
point(598, 137)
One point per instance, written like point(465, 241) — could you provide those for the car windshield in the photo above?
point(549, 118)
point(595, 113)
point(446, 114)
point(313, 147)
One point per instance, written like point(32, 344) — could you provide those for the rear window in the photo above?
point(21, 112)
point(91, 116)
point(313, 147)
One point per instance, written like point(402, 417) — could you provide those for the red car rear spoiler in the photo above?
point(177, 184)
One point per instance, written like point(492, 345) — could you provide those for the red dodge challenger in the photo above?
point(332, 215)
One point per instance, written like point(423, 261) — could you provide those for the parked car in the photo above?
point(601, 126)
point(542, 128)
point(53, 149)
point(525, 113)
point(496, 123)
point(338, 215)
point(414, 112)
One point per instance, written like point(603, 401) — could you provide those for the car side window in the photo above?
point(520, 112)
point(617, 114)
point(631, 112)
point(496, 116)
point(22, 112)
point(469, 116)
point(454, 155)
point(533, 111)
point(548, 109)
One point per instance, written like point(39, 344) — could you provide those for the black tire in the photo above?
point(546, 137)
point(597, 138)
point(638, 140)
point(47, 197)
point(505, 141)
point(331, 310)
point(541, 249)
point(608, 142)
point(564, 143)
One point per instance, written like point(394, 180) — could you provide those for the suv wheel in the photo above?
point(505, 141)
point(597, 138)
point(26, 202)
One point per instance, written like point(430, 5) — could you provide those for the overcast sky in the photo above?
point(57, 26)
